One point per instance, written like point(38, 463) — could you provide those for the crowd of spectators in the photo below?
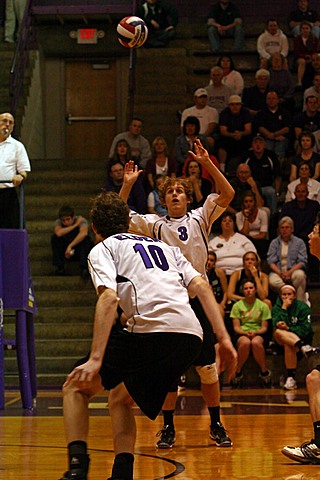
point(265, 143)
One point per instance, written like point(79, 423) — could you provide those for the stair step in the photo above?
point(52, 380)
point(66, 314)
point(53, 201)
point(70, 283)
point(53, 331)
point(46, 364)
point(69, 164)
point(65, 298)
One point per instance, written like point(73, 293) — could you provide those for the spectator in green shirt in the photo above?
point(250, 323)
point(291, 319)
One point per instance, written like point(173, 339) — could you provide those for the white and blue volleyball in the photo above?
point(132, 32)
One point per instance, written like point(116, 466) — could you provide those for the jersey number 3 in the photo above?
point(183, 233)
point(154, 255)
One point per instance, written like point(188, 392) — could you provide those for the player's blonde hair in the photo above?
point(170, 182)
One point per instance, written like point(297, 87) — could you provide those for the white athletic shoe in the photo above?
point(290, 384)
point(308, 452)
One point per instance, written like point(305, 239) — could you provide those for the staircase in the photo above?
point(63, 326)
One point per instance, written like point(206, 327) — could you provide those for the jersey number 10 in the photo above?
point(154, 253)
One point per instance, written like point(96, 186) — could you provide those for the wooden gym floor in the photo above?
point(260, 422)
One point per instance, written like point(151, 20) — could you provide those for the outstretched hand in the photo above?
point(130, 176)
point(84, 373)
point(131, 173)
point(200, 154)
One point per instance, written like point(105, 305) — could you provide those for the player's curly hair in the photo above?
point(170, 181)
point(109, 214)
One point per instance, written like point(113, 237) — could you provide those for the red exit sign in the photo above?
point(87, 35)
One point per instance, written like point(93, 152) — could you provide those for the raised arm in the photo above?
point(223, 186)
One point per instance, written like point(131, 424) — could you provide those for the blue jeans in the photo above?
point(237, 32)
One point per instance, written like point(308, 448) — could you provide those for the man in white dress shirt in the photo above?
point(14, 165)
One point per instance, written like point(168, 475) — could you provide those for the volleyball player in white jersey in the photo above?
point(188, 231)
point(141, 359)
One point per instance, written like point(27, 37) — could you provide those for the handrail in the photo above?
point(21, 57)
point(21, 204)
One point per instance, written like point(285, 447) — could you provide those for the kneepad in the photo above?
point(208, 373)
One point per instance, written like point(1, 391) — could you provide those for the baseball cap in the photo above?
point(201, 92)
point(235, 99)
point(258, 137)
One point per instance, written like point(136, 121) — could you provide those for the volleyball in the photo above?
point(132, 32)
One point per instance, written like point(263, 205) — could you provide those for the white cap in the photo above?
point(235, 99)
point(200, 92)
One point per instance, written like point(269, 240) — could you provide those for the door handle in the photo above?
point(70, 119)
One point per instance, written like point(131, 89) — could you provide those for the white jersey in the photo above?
point(150, 279)
point(190, 233)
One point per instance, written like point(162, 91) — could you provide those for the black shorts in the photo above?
point(148, 364)
point(207, 355)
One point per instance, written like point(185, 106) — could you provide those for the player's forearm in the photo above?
point(222, 186)
point(125, 191)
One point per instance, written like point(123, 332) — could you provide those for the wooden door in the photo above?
point(90, 109)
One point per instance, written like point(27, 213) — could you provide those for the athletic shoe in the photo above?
point(290, 384)
point(236, 382)
point(308, 452)
point(266, 379)
point(167, 437)
point(77, 473)
point(74, 474)
point(307, 351)
point(219, 435)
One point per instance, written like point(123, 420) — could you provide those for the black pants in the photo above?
point(9, 208)
point(59, 246)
